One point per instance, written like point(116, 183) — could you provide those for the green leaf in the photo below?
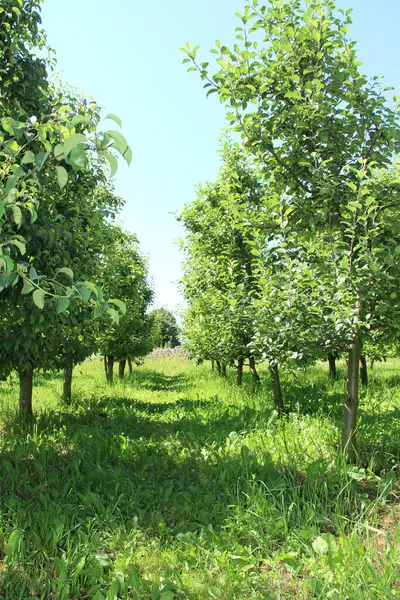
point(84, 292)
point(78, 119)
point(120, 142)
point(113, 590)
point(114, 118)
point(320, 546)
point(74, 140)
point(356, 473)
point(11, 181)
point(14, 544)
point(62, 177)
point(67, 271)
point(77, 157)
point(38, 298)
point(59, 152)
point(113, 162)
point(32, 274)
point(27, 287)
point(20, 245)
point(98, 310)
point(40, 159)
point(114, 314)
point(28, 158)
point(7, 124)
point(167, 595)
point(119, 304)
point(63, 304)
point(17, 214)
point(128, 155)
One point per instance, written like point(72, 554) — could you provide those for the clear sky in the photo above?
point(125, 54)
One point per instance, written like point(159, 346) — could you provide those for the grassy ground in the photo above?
point(177, 485)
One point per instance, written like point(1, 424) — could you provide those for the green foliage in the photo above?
point(322, 141)
point(46, 134)
point(180, 482)
point(124, 276)
point(165, 329)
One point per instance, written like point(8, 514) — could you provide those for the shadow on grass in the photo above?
point(125, 468)
point(157, 381)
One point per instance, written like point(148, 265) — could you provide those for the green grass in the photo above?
point(178, 485)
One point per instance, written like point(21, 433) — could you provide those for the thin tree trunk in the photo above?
point(105, 367)
point(212, 365)
point(253, 371)
point(371, 363)
point(363, 371)
point(121, 368)
point(110, 369)
point(67, 386)
point(130, 366)
point(25, 393)
point(332, 366)
point(276, 388)
point(218, 367)
point(351, 401)
point(223, 370)
point(239, 373)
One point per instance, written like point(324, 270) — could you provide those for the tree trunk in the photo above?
point(363, 371)
point(371, 363)
point(25, 393)
point(67, 386)
point(121, 368)
point(105, 367)
point(223, 370)
point(239, 373)
point(351, 401)
point(110, 369)
point(218, 367)
point(332, 366)
point(130, 366)
point(253, 371)
point(276, 388)
point(212, 365)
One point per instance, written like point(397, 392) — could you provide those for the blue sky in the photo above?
point(125, 54)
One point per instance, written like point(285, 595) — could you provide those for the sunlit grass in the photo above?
point(177, 484)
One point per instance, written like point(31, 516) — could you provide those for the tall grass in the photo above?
point(176, 484)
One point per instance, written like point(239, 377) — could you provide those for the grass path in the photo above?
point(175, 484)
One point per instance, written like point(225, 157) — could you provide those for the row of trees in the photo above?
point(293, 253)
point(72, 282)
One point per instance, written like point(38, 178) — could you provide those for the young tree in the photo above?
point(166, 330)
point(44, 135)
point(318, 128)
point(70, 229)
point(125, 276)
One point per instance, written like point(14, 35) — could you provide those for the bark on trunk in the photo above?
point(363, 371)
point(130, 366)
point(276, 389)
point(239, 373)
point(25, 393)
point(332, 366)
point(67, 386)
point(218, 367)
point(110, 369)
point(223, 370)
point(351, 401)
point(253, 371)
point(105, 367)
point(121, 368)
